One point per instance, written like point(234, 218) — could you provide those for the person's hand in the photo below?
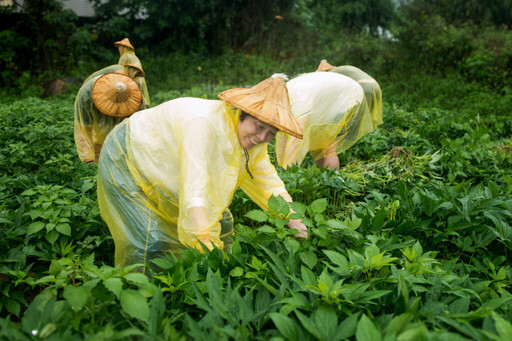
point(300, 227)
point(207, 242)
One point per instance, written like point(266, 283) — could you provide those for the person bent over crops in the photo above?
point(105, 99)
point(127, 56)
point(167, 174)
point(333, 111)
point(371, 88)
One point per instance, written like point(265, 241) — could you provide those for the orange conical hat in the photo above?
point(137, 66)
point(324, 66)
point(116, 95)
point(268, 101)
point(124, 42)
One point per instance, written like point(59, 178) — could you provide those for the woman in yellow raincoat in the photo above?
point(334, 112)
point(371, 88)
point(127, 56)
point(167, 175)
point(91, 123)
point(329, 108)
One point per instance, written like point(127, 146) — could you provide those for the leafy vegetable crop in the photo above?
point(410, 240)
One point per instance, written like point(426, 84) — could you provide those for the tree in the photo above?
point(208, 26)
point(354, 15)
point(477, 12)
point(44, 37)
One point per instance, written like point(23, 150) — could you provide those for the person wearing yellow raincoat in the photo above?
point(371, 88)
point(92, 123)
point(167, 175)
point(127, 56)
point(334, 113)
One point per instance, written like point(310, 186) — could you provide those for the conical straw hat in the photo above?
point(268, 101)
point(124, 42)
point(324, 66)
point(137, 66)
point(116, 95)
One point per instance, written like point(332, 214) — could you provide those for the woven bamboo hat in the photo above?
point(137, 66)
point(124, 42)
point(324, 66)
point(116, 95)
point(268, 101)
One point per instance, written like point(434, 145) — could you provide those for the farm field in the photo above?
point(410, 240)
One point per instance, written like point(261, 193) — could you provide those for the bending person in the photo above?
point(167, 174)
point(105, 99)
point(127, 56)
point(370, 86)
point(333, 113)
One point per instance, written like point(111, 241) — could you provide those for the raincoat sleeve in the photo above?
point(199, 208)
point(84, 108)
point(265, 181)
point(104, 71)
point(91, 127)
point(141, 82)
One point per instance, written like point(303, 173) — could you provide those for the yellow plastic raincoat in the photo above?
point(129, 57)
point(371, 89)
point(333, 113)
point(91, 127)
point(162, 164)
point(109, 69)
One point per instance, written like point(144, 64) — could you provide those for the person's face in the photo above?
point(252, 132)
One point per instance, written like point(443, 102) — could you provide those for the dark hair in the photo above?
point(243, 116)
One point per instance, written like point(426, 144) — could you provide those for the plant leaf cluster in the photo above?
point(410, 239)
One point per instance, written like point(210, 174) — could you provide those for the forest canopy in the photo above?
point(39, 38)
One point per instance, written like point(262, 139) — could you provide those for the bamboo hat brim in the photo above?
point(268, 101)
point(124, 42)
point(116, 95)
point(136, 66)
point(324, 66)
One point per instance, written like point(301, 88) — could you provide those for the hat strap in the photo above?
point(247, 163)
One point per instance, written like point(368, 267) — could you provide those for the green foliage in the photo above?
point(202, 26)
point(354, 16)
point(479, 12)
point(410, 239)
point(180, 42)
point(490, 59)
point(446, 36)
point(44, 38)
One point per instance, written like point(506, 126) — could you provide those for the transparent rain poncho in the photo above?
point(333, 113)
point(129, 57)
point(167, 174)
point(90, 125)
point(371, 89)
point(109, 69)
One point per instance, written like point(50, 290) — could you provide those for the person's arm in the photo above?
point(141, 82)
point(83, 125)
point(198, 219)
point(266, 182)
point(83, 142)
point(299, 226)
